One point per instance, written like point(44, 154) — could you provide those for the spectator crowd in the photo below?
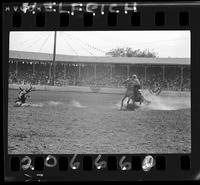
point(106, 76)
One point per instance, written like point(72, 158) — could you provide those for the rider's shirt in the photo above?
point(136, 87)
point(132, 86)
point(129, 87)
point(136, 81)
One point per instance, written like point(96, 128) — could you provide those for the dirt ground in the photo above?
point(72, 122)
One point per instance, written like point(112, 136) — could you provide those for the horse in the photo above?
point(129, 92)
point(134, 93)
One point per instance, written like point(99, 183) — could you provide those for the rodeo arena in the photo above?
point(66, 104)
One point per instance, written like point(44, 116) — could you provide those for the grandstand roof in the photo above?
point(35, 56)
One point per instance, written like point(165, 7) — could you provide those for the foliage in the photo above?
point(129, 52)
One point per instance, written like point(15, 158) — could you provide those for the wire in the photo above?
point(69, 36)
point(23, 42)
point(44, 42)
point(90, 46)
point(69, 45)
point(37, 39)
point(136, 44)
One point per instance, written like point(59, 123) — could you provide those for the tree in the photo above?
point(128, 52)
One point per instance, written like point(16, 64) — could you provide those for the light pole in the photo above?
point(54, 57)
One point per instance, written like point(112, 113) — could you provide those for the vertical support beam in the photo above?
point(79, 71)
point(145, 74)
point(50, 71)
point(74, 82)
point(111, 71)
point(128, 70)
point(95, 73)
point(54, 57)
point(16, 68)
point(65, 72)
point(163, 70)
point(33, 68)
point(181, 85)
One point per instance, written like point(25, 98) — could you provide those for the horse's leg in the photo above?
point(129, 98)
point(123, 101)
point(133, 102)
point(132, 98)
point(142, 100)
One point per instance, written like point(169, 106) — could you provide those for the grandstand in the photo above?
point(37, 68)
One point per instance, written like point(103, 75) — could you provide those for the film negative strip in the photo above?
point(101, 91)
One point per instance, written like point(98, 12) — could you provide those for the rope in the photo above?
point(69, 45)
point(23, 42)
point(90, 46)
point(82, 47)
point(44, 42)
point(37, 39)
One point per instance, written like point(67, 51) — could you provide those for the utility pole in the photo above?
point(54, 58)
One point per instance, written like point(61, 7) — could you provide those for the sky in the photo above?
point(175, 44)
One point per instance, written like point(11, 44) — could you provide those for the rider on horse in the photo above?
point(137, 95)
point(136, 87)
point(129, 86)
point(132, 92)
point(23, 95)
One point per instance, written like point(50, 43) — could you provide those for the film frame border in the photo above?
point(147, 22)
point(51, 167)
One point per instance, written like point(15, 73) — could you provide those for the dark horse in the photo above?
point(129, 92)
point(133, 93)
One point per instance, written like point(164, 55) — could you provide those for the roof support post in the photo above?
point(128, 70)
point(145, 74)
point(65, 71)
point(79, 71)
point(163, 70)
point(181, 85)
point(95, 73)
point(54, 57)
point(111, 71)
point(33, 68)
point(16, 68)
point(50, 71)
